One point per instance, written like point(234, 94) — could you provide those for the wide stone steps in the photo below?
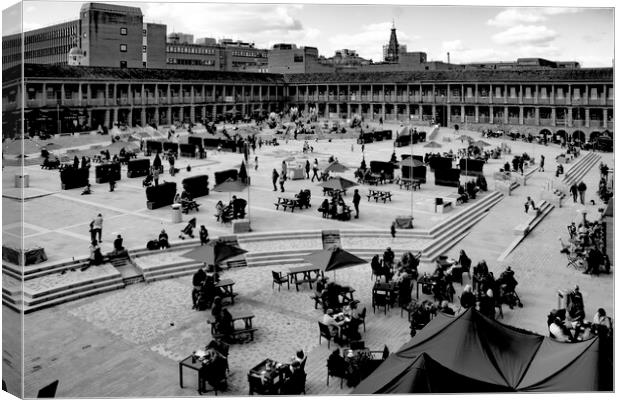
point(580, 168)
point(78, 293)
point(449, 231)
point(545, 208)
point(165, 271)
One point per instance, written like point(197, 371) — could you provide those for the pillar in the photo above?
point(383, 109)
point(536, 101)
point(553, 116)
point(181, 113)
point(157, 115)
point(449, 116)
point(192, 113)
point(143, 113)
point(62, 93)
point(169, 96)
point(462, 114)
point(505, 115)
point(106, 99)
point(490, 113)
point(106, 118)
point(521, 95)
point(156, 94)
point(203, 112)
point(114, 114)
point(476, 99)
point(408, 110)
point(130, 117)
point(349, 110)
point(476, 115)
point(89, 118)
point(520, 115)
point(169, 111)
point(587, 117)
point(569, 116)
point(552, 99)
point(537, 113)
point(80, 93)
point(605, 116)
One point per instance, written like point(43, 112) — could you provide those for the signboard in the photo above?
point(331, 239)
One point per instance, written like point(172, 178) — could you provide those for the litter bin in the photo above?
point(176, 213)
point(22, 181)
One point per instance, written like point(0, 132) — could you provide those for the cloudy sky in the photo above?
point(470, 34)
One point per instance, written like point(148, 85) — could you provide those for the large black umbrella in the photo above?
point(243, 173)
point(480, 143)
point(335, 167)
point(230, 185)
point(338, 183)
point(214, 252)
point(411, 162)
point(333, 259)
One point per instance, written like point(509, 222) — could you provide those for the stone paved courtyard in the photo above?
point(128, 342)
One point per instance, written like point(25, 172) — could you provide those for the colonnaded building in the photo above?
point(573, 102)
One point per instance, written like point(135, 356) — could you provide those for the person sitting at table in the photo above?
point(468, 299)
point(559, 331)
point(388, 258)
point(162, 240)
point(294, 379)
point(213, 371)
point(333, 325)
point(336, 365)
point(197, 281)
point(324, 208)
point(445, 308)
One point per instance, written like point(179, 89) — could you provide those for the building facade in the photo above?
point(572, 102)
point(85, 98)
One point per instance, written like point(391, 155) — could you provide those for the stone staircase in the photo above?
point(169, 270)
point(579, 170)
point(449, 232)
point(522, 230)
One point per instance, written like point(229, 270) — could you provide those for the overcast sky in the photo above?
point(470, 34)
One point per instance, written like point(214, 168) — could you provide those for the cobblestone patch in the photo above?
point(140, 313)
point(70, 277)
point(160, 258)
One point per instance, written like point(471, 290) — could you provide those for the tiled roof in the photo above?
point(521, 76)
point(136, 74)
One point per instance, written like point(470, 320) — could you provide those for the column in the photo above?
point(569, 116)
point(536, 98)
point(106, 118)
point(605, 116)
point(552, 100)
point(348, 109)
point(505, 93)
point(490, 113)
point(383, 109)
point(408, 111)
point(476, 99)
point(62, 93)
point(89, 118)
point(156, 95)
point(181, 113)
point(521, 115)
point(106, 101)
point(448, 97)
point(449, 116)
point(169, 96)
point(192, 113)
point(169, 111)
point(462, 113)
point(586, 97)
point(476, 115)
point(553, 116)
point(80, 94)
point(143, 114)
point(505, 115)
point(260, 94)
point(587, 117)
point(203, 111)
point(88, 93)
point(114, 114)
point(520, 94)
point(156, 115)
point(130, 117)
point(537, 114)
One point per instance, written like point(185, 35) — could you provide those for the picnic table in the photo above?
point(379, 195)
point(423, 280)
point(333, 192)
point(226, 287)
point(191, 362)
point(410, 184)
point(247, 328)
point(287, 203)
point(305, 272)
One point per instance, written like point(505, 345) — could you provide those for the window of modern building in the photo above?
point(143, 32)
point(144, 64)
point(124, 31)
point(123, 48)
point(123, 64)
point(144, 49)
point(298, 58)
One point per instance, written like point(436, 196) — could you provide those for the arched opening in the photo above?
point(560, 135)
point(594, 135)
point(607, 132)
point(579, 136)
point(544, 132)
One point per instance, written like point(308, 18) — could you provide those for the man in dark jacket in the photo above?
point(573, 191)
point(582, 192)
point(356, 203)
point(198, 280)
point(274, 179)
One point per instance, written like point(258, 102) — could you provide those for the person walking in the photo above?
point(315, 171)
point(307, 169)
point(204, 235)
point(529, 203)
point(282, 182)
point(393, 230)
point(582, 192)
point(573, 191)
point(255, 163)
point(542, 163)
point(155, 175)
point(98, 227)
point(274, 179)
point(356, 202)
point(283, 169)
point(171, 162)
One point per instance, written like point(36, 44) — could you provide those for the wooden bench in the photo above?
point(237, 334)
point(287, 203)
point(410, 184)
point(379, 195)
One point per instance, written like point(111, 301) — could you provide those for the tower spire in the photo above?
point(391, 55)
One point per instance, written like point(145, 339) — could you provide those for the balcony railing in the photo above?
point(122, 101)
point(579, 123)
point(596, 123)
point(100, 101)
point(577, 101)
point(545, 121)
point(33, 103)
point(455, 118)
point(483, 99)
point(512, 100)
point(498, 120)
point(545, 100)
point(513, 120)
point(529, 121)
point(469, 100)
point(597, 102)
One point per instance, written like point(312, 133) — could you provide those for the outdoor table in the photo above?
point(389, 288)
point(410, 184)
point(286, 202)
point(247, 328)
point(191, 362)
point(306, 273)
point(266, 377)
point(333, 192)
point(347, 295)
point(423, 280)
point(226, 285)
